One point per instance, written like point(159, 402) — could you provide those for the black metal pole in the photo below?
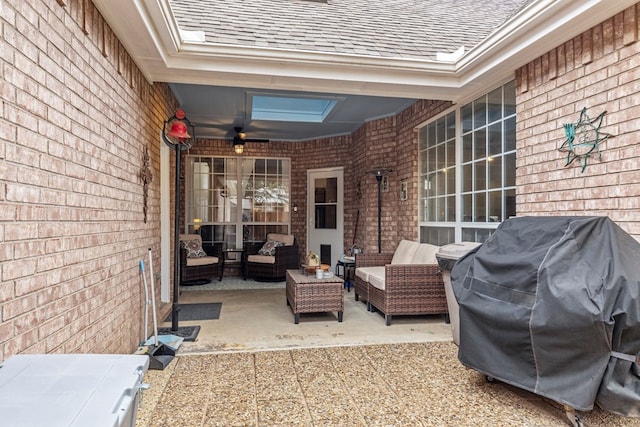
point(176, 246)
point(379, 178)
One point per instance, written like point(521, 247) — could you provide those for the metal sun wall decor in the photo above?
point(583, 138)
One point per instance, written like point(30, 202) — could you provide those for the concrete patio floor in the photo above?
point(259, 319)
point(254, 367)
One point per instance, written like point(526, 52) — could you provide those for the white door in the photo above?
point(325, 214)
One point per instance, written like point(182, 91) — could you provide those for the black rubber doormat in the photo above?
point(202, 311)
point(188, 333)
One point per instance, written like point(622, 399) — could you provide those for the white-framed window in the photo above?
point(467, 169)
point(232, 200)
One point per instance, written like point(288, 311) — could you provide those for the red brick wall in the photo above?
point(75, 118)
point(318, 154)
point(598, 70)
point(390, 142)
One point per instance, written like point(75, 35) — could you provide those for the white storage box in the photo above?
point(77, 390)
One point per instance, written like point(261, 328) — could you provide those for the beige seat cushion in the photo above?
point(426, 254)
point(405, 252)
point(377, 281)
point(365, 272)
point(287, 239)
point(203, 260)
point(262, 259)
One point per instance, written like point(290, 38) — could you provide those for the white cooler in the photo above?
point(447, 256)
point(77, 390)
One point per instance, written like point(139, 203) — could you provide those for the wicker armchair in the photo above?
point(200, 267)
point(365, 265)
point(271, 268)
point(410, 289)
point(397, 286)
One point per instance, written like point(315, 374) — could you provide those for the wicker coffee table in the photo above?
point(306, 294)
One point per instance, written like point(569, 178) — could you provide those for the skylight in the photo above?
point(291, 109)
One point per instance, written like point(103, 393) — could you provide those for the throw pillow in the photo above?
point(269, 248)
point(194, 248)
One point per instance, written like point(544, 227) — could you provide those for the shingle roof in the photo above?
point(384, 28)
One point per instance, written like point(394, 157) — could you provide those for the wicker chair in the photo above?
point(199, 269)
point(271, 268)
point(365, 264)
point(411, 288)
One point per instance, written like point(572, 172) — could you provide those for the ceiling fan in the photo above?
point(240, 138)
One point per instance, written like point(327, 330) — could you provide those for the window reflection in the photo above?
point(326, 200)
point(237, 199)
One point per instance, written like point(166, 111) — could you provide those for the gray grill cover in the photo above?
point(552, 305)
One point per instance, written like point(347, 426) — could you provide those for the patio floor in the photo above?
point(258, 318)
point(254, 367)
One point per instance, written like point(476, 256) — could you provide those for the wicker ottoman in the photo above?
point(306, 294)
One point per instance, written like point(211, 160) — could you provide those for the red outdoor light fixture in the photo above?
point(177, 132)
point(178, 139)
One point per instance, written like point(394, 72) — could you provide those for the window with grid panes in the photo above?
point(437, 174)
point(233, 200)
point(482, 190)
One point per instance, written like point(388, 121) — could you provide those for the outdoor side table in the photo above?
point(348, 268)
point(306, 294)
point(227, 257)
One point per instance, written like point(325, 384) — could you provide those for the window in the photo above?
point(465, 197)
point(326, 203)
point(233, 200)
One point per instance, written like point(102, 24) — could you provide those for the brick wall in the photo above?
point(75, 117)
point(598, 70)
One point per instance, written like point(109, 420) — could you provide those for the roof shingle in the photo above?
point(407, 29)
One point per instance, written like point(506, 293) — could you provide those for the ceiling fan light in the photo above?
point(238, 148)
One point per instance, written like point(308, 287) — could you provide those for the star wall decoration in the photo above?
point(583, 139)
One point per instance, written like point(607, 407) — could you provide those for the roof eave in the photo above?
point(534, 31)
point(151, 34)
point(288, 70)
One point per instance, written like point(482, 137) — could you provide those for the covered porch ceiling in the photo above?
point(214, 82)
